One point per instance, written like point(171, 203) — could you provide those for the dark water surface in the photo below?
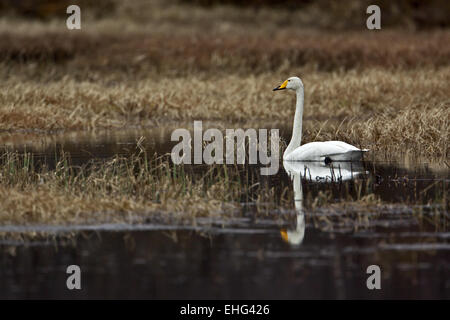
point(313, 254)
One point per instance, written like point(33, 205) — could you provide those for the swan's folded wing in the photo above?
point(318, 151)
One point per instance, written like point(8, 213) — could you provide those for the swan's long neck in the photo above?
point(297, 129)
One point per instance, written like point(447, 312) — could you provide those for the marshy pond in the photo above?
point(310, 231)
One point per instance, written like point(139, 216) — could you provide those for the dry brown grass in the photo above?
point(149, 189)
point(383, 110)
point(325, 14)
point(142, 37)
point(145, 63)
point(235, 51)
point(117, 190)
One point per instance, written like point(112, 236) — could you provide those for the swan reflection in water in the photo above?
point(314, 172)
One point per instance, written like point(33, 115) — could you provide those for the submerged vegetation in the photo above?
point(115, 190)
point(140, 187)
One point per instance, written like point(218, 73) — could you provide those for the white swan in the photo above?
point(314, 151)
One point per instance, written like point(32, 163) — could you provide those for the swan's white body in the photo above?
point(313, 151)
point(318, 151)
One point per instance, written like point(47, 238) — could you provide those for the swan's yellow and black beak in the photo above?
point(281, 87)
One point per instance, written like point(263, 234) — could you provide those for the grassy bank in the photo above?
point(141, 64)
point(385, 110)
point(144, 63)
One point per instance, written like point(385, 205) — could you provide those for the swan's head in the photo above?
point(293, 83)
